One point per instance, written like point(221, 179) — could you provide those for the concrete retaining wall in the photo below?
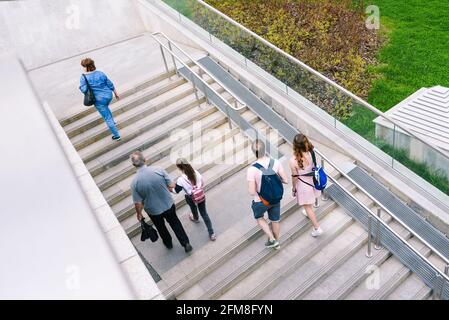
point(44, 31)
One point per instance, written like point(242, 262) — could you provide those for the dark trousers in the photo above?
point(175, 224)
point(202, 207)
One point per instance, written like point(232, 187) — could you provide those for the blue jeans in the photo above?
point(202, 207)
point(103, 109)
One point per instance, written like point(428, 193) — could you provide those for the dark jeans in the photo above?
point(202, 207)
point(175, 224)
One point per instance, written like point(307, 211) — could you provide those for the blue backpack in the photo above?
point(271, 188)
point(318, 174)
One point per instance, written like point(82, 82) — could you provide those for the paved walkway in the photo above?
point(126, 63)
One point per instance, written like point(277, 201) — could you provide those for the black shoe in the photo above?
point(116, 138)
point(188, 247)
point(168, 246)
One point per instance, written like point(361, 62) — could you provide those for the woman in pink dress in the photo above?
point(301, 163)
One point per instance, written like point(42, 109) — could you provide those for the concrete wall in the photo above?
point(52, 246)
point(155, 23)
point(44, 31)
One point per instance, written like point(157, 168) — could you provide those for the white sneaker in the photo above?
point(316, 232)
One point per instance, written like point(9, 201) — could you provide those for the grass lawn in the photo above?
point(417, 53)
point(180, 5)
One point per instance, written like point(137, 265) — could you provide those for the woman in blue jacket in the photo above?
point(102, 88)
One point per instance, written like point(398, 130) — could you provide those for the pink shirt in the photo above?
point(254, 174)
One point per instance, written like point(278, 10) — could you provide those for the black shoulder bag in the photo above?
point(148, 232)
point(89, 98)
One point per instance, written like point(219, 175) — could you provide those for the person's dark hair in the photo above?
point(89, 64)
point(137, 159)
point(301, 144)
point(258, 147)
point(187, 169)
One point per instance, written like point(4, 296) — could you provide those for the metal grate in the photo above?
point(395, 245)
point(412, 219)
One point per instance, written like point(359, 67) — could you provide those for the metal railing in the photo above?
point(372, 216)
point(238, 104)
point(324, 78)
point(204, 84)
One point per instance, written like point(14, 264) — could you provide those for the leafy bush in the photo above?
point(330, 36)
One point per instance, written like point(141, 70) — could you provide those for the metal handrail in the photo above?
point(324, 78)
point(202, 69)
point(204, 83)
point(380, 205)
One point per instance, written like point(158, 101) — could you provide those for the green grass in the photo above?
point(437, 179)
point(180, 6)
point(417, 52)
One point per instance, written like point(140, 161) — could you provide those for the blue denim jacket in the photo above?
point(101, 86)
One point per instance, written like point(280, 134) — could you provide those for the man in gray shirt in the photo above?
point(151, 191)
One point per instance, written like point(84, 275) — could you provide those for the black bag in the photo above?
point(148, 232)
point(89, 98)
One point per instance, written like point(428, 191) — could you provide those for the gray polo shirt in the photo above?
point(150, 187)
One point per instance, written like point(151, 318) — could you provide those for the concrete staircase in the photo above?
point(333, 266)
point(236, 266)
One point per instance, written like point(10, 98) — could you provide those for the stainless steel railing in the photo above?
point(193, 74)
point(238, 104)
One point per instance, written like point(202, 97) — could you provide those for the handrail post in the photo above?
point(369, 252)
point(173, 58)
point(377, 246)
point(446, 270)
point(438, 287)
point(324, 196)
point(236, 104)
point(165, 60)
point(195, 90)
point(229, 118)
point(316, 204)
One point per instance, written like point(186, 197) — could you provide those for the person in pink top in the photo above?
point(254, 178)
point(301, 163)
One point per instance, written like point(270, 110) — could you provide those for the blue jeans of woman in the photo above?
point(103, 108)
point(202, 208)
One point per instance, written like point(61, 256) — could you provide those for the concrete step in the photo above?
point(302, 270)
point(120, 190)
point(412, 288)
point(355, 272)
point(392, 273)
point(214, 175)
point(141, 136)
point(94, 119)
point(181, 94)
point(145, 84)
point(236, 240)
point(251, 288)
point(168, 164)
point(245, 262)
point(168, 147)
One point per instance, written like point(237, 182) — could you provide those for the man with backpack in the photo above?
point(265, 178)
